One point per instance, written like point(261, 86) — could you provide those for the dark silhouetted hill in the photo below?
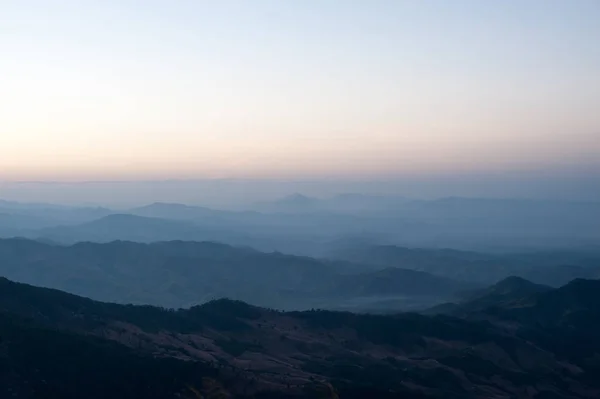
point(53, 343)
point(510, 290)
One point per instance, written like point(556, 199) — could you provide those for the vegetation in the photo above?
point(46, 363)
point(54, 344)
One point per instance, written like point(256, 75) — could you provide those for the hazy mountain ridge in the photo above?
point(176, 274)
point(42, 215)
point(552, 267)
point(483, 224)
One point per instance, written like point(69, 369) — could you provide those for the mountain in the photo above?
point(553, 268)
point(496, 225)
point(126, 227)
point(18, 222)
point(393, 289)
point(305, 225)
point(188, 213)
point(35, 216)
point(180, 274)
point(511, 289)
point(565, 321)
point(237, 349)
point(32, 205)
point(303, 234)
point(574, 305)
point(40, 362)
point(26, 220)
point(393, 280)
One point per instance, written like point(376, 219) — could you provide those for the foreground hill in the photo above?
point(38, 362)
point(239, 350)
point(508, 291)
point(575, 305)
point(180, 274)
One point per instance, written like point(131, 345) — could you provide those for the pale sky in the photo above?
point(149, 89)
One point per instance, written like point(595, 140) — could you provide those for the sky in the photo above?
point(127, 90)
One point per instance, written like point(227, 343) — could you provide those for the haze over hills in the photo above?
point(552, 267)
point(388, 277)
point(46, 215)
point(460, 223)
point(177, 274)
point(182, 273)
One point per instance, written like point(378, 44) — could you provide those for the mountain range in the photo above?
point(180, 274)
point(550, 267)
point(544, 345)
point(308, 226)
point(179, 301)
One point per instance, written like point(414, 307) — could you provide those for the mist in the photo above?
point(243, 193)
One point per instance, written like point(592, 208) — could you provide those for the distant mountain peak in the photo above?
point(580, 290)
point(518, 283)
point(511, 288)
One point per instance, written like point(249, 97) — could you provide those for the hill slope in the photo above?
point(553, 268)
point(180, 274)
point(300, 353)
point(40, 362)
point(510, 290)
